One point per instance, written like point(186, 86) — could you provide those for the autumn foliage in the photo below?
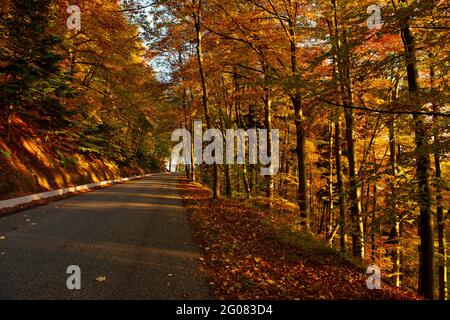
point(363, 115)
point(250, 253)
point(77, 106)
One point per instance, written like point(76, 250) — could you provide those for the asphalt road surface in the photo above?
point(131, 241)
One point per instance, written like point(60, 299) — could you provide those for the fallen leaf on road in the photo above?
point(100, 279)
point(2, 238)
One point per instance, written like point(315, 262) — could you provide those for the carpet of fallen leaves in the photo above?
point(247, 258)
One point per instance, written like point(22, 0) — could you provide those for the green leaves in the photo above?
point(6, 154)
point(67, 162)
point(31, 73)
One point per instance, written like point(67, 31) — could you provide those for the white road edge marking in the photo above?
point(10, 203)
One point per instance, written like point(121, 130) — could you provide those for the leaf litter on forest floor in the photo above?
point(254, 253)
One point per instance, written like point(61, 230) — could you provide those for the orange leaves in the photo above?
point(247, 258)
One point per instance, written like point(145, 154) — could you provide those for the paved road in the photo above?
point(135, 235)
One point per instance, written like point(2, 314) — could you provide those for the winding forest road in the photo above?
point(135, 235)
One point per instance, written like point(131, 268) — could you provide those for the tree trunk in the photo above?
point(224, 125)
point(340, 186)
point(197, 15)
point(442, 241)
point(240, 124)
point(441, 219)
point(331, 226)
point(302, 171)
point(187, 127)
point(193, 166)
point(374, 219)
point(301, 137)
point(394, 238)
point(423, 163)
point(270, 182)
point(334, 33)
point(311, 195)
point(354, 192)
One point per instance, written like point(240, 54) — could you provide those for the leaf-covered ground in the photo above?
point(250, 252)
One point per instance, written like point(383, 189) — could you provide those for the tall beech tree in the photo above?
point(426, 268)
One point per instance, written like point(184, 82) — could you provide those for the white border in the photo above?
point(10, 203)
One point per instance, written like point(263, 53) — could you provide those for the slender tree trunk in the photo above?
point(322, 219)
point(301, 137)
point(197, 15)
point(354, 192)
point(311, 194)
point(240, 124)
point(270, 182)
point(224, 125)
point(287, 162)
point(193, 166)
point(441, 219)
point(423, 163)
point(394, 238)
point(331, 226)
point(442, 240)
point(334, 33)
point(228, 187)
point(252, 120)
point(186, 126)
point(374, 219)
point(340, 186)
point(187, 123)
point(248, 191)
point(302, 171)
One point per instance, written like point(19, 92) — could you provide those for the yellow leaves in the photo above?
point(100, 279)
